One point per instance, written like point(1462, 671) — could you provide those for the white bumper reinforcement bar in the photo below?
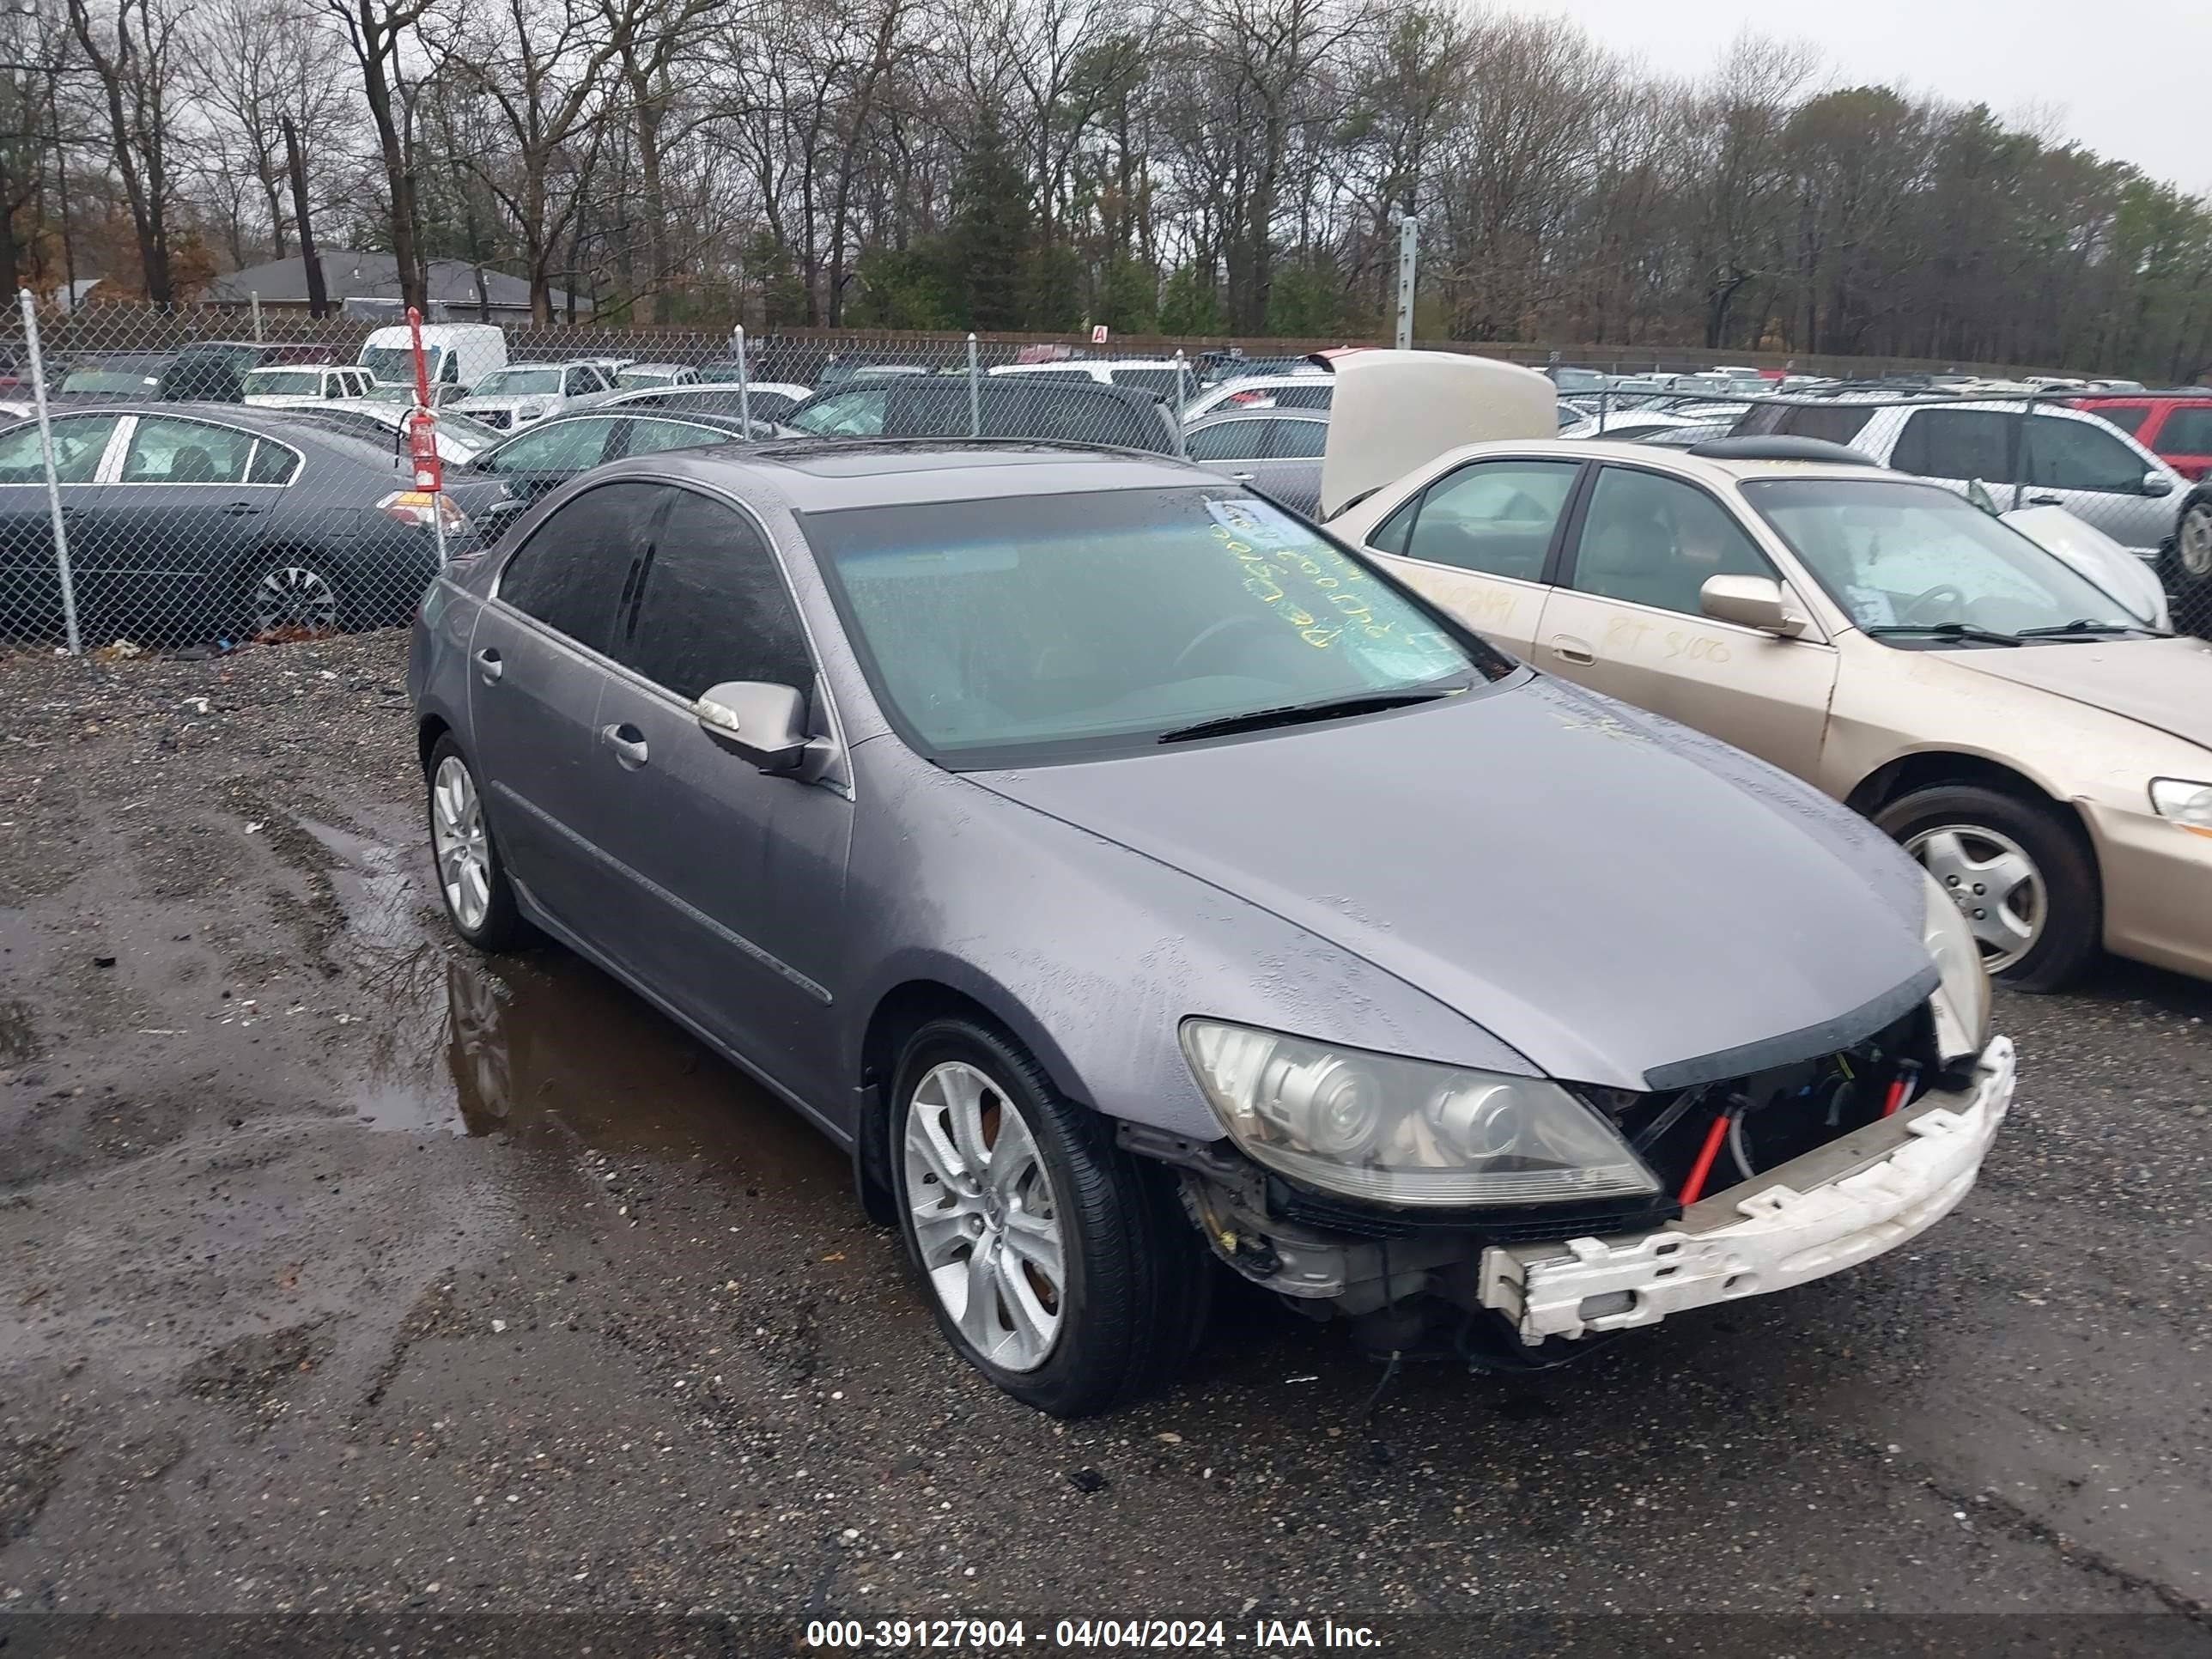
point(1836, 1207)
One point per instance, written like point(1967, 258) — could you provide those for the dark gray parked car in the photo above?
point(1126, 872)
point(189, 521)
point(999, 406)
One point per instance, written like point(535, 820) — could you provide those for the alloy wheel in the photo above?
point(294, 596)
point(985, 1216)
point(457, 835)
point(1994, 883)
point(2193, 542)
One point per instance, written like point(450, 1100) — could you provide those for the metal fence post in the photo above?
point(256, 298)
point(1182, 402)
point(744, 383)
point(1409, 247)
point(2020, 448)
point(53, 478)
point(975, 391)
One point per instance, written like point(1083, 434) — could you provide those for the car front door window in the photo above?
point(649, 437)
point(1653, 540)
point(715, 606)
point(1956, 443)
point(566, 446)
point(1297, 440)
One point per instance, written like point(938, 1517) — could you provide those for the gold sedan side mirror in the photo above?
point(1751, 602)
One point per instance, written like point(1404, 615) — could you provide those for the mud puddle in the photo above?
point(539, 1048)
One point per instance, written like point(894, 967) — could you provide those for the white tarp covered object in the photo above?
point(1392, 411)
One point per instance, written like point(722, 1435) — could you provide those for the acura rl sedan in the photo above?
point(1127, 872)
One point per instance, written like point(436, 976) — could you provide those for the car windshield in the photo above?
point(127, 380)
point(1034, 627)
point(396, 364)
point(1911, 555)
point(281, 382)
point(518, 382)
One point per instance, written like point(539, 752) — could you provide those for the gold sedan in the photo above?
point(2039, 747)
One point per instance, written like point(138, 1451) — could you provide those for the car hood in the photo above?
point(1623, 902)
point(2166, 684)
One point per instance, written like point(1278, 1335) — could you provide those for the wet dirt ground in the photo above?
point(342, 1270)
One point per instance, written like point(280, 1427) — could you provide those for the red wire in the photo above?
point(1695, 1186)
point(1900, 1086)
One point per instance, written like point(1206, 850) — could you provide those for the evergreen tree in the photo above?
point(990, 228)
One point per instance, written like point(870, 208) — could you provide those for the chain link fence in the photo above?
point(203, 477)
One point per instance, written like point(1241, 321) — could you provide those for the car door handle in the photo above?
point(2045, 501)
point(240, 510)
point(1242, 478)
point(488, 666)
point(1571, 650)
point(628, 743)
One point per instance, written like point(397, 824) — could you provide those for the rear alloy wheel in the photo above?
point(292, 596)
point(2018, 874)
point(472, 882)
point(1056, 1264)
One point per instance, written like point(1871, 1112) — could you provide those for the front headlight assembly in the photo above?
point(2189, 805)
point(1395, 1131)
point(1961, 1002)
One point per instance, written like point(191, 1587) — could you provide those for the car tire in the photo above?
point(472, 883)
point(2189, 563)
point(1134, 1286)
point(294, 593)
point(1960, 831)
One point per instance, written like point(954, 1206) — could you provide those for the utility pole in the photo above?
point(1409, 248)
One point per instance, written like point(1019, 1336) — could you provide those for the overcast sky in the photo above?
point(2126, 77)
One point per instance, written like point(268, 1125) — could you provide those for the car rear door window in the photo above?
point(1496, 517)
point(1233, 441)
point(2063, 455)
point(576, 572)
point(272, 463)
point(1297, 440)
point(166, 451)
point(1956, 443)
point(714, 606)
point(1654, 540)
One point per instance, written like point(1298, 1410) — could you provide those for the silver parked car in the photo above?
point(1127, 874)
point(522, 393)
point(1276, 452)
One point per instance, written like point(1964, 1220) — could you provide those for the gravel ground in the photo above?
point(344, 1272)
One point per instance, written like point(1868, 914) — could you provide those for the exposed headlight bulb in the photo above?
point(1331, 1103)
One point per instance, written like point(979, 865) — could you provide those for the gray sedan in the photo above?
point(1132, 878)
point(1276, 452)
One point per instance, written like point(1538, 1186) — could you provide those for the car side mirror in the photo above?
point(2157, 484)
point(1750, 602)
point(764, 723)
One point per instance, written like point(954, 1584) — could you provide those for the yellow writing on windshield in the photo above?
point(1325, 569)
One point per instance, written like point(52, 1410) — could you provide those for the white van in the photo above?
point(455, 354)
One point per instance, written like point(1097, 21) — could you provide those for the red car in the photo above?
point(2175, 426)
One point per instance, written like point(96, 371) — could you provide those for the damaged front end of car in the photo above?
point(1509, 1220)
